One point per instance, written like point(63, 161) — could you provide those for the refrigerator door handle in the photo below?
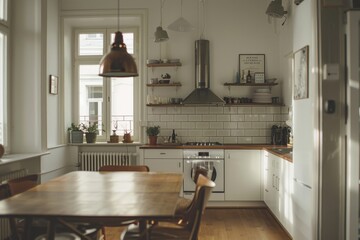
point(304, 184)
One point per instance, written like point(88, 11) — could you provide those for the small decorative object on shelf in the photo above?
point(2, 150)
point(114, 138)
point(248, 77)
point(127, 137)
point(75, 133)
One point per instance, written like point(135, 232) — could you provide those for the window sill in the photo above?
point(11, 158)
point(107, 144)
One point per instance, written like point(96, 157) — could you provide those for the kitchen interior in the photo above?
point(264, 143)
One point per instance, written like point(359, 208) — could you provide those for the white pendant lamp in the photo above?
point(181, 24)
point(118, 62)
point(160, 34)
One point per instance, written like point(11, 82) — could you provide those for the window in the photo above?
point(110, 102)
point(3, 72)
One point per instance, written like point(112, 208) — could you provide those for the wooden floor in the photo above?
point(232, 224)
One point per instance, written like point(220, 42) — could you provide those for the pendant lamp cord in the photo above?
point(181, 4)
point(162, 2)
point(118, 15)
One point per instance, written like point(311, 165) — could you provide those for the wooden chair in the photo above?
point(134, 168)
point(39, 226)
point(5, 193)
point(119, 168)
point(189, 229)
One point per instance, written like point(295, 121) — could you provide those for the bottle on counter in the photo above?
point(248, 77)
point(173, 136)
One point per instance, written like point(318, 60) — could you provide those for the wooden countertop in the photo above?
point(267, 147)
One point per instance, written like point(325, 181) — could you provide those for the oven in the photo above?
point(209, 162)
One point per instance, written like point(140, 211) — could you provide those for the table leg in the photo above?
point(51, 229)
point(143, 229)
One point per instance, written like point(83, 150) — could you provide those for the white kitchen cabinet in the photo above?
point(242, 175)
point(164, 160)
point(278, 188)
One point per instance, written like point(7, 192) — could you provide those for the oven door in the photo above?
point(212, 168)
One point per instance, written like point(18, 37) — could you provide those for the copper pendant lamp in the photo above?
point(118, 62)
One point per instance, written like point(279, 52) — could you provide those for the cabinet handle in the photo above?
point(266, 190)
point(162, 153)
point(179, 164)
point(277, 184)
point(273, 184)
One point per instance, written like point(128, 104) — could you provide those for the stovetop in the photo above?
point(203, 144)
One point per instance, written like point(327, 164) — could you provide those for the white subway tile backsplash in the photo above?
point(166, 118)
point(228, 124)
point(237, 133)
point(244, 140)
point(174, 125)
point(273, 110)
point(266, 118)
point(202, 110)
point(258, 110)
point(258, 125)
point(194, 118)
point(244, 110)
point(202, 125)
point(224, 133)
point(230, 110)
point(181, 118)
point(244, 125)
point(251, 118)
point(216, 125)
point(173, 110)
point(229, 140)
point(216, 110)
point(223, 118)
point(209, 133)
point(153, 118)
point(188, 110)
point(209, 118)
point(251, 132)
point(187, 125)
point(237, 118)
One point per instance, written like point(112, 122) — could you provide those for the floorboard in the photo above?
point(232, 224)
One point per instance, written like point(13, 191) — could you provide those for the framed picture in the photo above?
point(301, 73)
point(53, 84)
point(249, 64)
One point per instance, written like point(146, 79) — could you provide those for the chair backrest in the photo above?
point(134, 168)
point(4, 191)
point(22, 184)
point(204, 187)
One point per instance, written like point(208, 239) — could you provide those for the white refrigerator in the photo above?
point(352, 126)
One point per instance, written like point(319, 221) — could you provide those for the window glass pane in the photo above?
point(2, 10)
point(122, 105)
point(2, 87)
point(128, 40)
point(90, 44)
point(91, 95)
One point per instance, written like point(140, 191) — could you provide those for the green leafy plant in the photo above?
point(91, 127)
point(153, 131)
point(74, 127)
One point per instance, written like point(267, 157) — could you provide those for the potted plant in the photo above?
point(91, 131)
point(152, 132)
point(76, 134)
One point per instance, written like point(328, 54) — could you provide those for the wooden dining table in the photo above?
point(98, 197)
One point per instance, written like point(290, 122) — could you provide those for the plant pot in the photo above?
point(152, 140)
point(90, 137)
point(76, 137)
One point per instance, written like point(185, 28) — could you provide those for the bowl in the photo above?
point(164, 81)
point(271, 80)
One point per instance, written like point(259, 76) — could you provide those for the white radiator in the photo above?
point(92, 161)
point(4, 223)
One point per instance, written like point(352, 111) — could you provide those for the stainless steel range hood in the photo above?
point(202, 95)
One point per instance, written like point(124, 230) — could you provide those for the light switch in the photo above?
point(331, 71)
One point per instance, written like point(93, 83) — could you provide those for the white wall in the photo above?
point(298, 32)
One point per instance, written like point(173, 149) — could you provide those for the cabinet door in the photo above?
point(242, 175)
point(267, 178)
point(164, 165)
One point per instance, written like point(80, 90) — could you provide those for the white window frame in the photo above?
point(5, 29)
point(95, 59)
